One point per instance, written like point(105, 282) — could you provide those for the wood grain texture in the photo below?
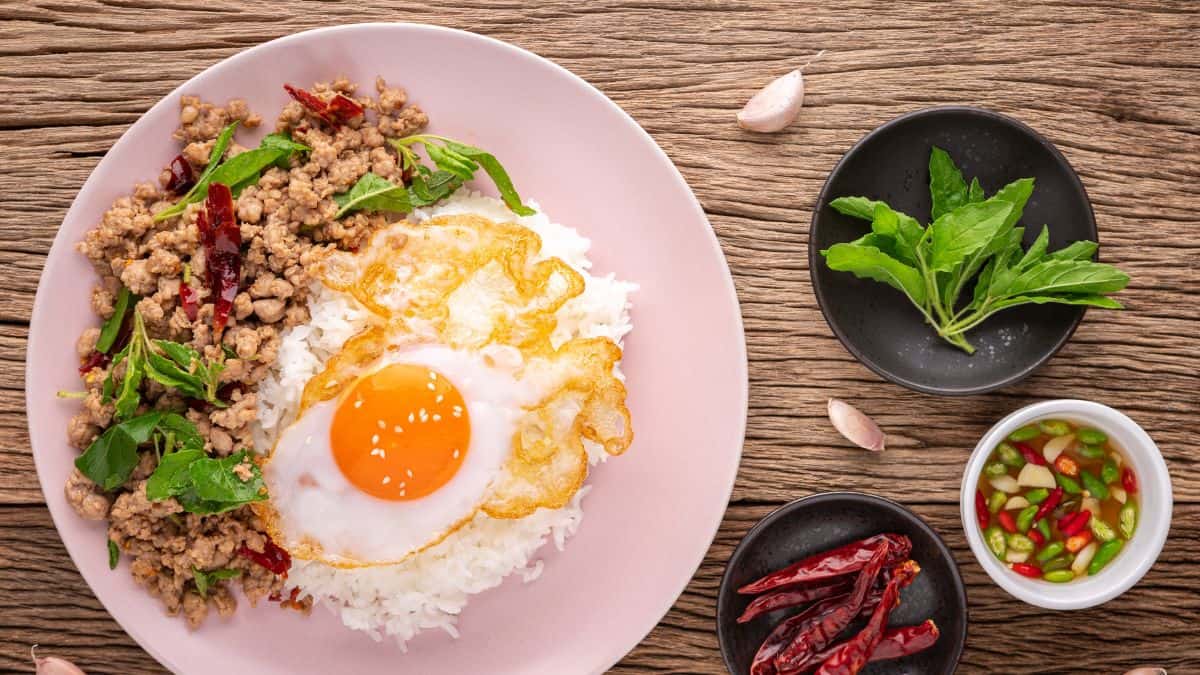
point(1116, 85)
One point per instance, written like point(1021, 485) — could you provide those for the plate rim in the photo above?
point(814, 255)
point(740, 360)
point(816, 499)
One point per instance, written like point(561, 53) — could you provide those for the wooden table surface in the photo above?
point(1115, 84)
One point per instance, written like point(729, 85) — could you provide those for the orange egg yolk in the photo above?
point(401, 432)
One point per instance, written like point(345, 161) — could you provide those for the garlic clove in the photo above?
point(1147, 671)
point(775, 106)
point(855, 426)
point(52, 665)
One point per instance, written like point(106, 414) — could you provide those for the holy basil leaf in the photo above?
point(975, 192)
point(183, 355)
point(167, 373)
point(1090, 300)
point(965, 230)
point(186, 436)
point(111, 458)
point(904, 232)
point(217, 480)
point(1080, 250)
point(112, 327)
point(242, 168)
point(1005, 239)
point(283, 143)
point(866, 262)
point(205, 580)
point(496, 172)
point(1037, 250)
point(1015, 193)
point(451, 162)
point(200, 188)
point(430, 187)
point(114, 555)
point(1051, 277)
point(127, 397)
point(171, 477)
point(373, 193)
point(946, 185)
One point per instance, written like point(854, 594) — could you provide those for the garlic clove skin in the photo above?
point(855, 426)
point(1147, 671)
point(775, 106)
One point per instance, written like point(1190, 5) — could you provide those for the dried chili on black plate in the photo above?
point(836, 562)
point(794, 597)
point(853, 654)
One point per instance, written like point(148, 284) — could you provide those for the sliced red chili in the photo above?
point(94, 360)
point(189, 298)
point(1051, 502)
point(222, 237)
point(981, 510)
point(272, 557)
point(336, 111)
point(1077, 524)
point(1036, 536)
point(1032, 456)
point(1129, 481)
point(182, 177)
point(842, 560)
point(1006, 521)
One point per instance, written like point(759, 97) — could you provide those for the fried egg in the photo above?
point(453, 400)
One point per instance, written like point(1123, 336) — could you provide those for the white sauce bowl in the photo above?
point(1153, 497)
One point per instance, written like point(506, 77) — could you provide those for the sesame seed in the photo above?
point(410, 417)
point(402, 484)
point(381, 424)
point(439, 398)
point(398, 429)
point(409, 472)
point(432, 375)
point(456, 453)
point(375, 439)
point(402, 493)
point(358, 404)
point(387, 479)
point(437, 418)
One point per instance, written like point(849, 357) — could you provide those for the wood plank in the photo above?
point(1112, 84)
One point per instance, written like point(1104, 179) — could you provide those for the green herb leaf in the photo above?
point(114, 555)
point(184, 432)
point(1037, 250)
point(430, 187)
point(200, 189)
point(286, 147)
point(112, 327)
point(462, 161)
point(946, 185)
point(205, 580)
point(171, 477)
point(1080, 250)
point(128, 397)
point(867, 262)
point(1068, 276)
point(1015, 193)
point(975, 192)
point(111, 458)
point(167, 373)
point(373, 193)
point(242, 169)
point(452, 162)
point(963, 231)
point(496, 172)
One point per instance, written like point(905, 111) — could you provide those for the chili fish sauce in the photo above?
point(1057, 501)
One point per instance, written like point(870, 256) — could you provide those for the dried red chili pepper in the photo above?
point(981, 510)
point(793, 597)
point(189, 298)
point(272, 557)
point(896, 643)
point(337, 111)
point(182, 179)
point(833, 563)
point(1129, 481)
point(222, 238)
point(1051, 502)
point(94, 360)
point(1032, 456)
point(822, 632)
point(854, 653)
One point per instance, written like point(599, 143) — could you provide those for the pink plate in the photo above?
point(652, 513)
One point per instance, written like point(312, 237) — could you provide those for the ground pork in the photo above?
point(287, 227)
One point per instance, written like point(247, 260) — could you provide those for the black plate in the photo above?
point(876, 323)
point(823, 521)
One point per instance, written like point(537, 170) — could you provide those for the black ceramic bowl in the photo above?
point(876, 323)
point(824, 521)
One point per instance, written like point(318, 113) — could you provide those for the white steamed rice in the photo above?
point(430, 589)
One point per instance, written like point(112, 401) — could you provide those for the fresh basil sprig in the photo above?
point(238, 171)
point(972, 238)
point(462, 161)
point(204, 580)
point(111, 458)
point(373, 192)
point(168, 363)
point(203, 484)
